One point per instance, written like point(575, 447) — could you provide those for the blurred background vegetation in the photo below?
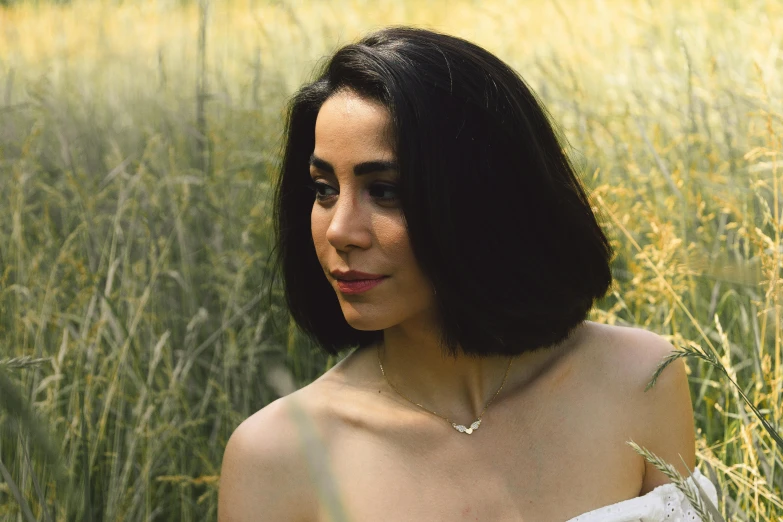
point(139, 322)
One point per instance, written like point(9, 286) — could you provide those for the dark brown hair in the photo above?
point(496, 215)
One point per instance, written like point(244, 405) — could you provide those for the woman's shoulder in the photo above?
point(265, 468)
point(656, 414)
point(621, 362)
point(284, 422)
point(625, 356)
point(314, 408)
point(275, 459)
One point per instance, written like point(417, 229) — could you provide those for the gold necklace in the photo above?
point(459, 427)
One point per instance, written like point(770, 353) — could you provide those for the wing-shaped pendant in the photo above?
point(462, 429)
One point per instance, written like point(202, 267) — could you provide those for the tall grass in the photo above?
point(136, 331)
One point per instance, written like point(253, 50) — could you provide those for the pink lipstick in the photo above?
point(359, 285)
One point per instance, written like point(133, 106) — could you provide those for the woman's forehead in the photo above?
point(349, 124)
point(349, 108)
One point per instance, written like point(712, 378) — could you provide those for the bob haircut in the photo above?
point(496, 216)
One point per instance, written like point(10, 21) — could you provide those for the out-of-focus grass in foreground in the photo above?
point(135, 224)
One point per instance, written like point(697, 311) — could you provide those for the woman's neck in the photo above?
point(457, 388)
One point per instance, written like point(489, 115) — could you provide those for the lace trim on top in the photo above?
point(665, 503)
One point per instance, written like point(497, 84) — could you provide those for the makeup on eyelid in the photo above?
point(315, 186)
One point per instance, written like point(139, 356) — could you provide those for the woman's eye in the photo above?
point(380, 191)
point(383, 188)
point(318, 188)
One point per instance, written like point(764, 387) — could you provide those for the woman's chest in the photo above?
point(550, 467)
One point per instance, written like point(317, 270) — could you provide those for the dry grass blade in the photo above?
point(696, 498)
point(23, 505)
point(713, 510)
point(36, 484)
point(710, 356)
point(25, 361)
point(22, 417)
point(320, 471)
point(618, 222)
point(684, 352)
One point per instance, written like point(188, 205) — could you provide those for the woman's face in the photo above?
point(356, 221)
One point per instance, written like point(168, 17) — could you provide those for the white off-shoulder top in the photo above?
point(663, 504)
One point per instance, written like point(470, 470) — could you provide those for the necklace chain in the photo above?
point(459, 427)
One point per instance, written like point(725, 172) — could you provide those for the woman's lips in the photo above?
point(358, 286)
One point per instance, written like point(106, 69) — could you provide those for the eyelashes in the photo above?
point(375, 188)
point(317, 188)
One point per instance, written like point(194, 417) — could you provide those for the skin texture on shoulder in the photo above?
point(669, 419)
point(664, 422)
point(265, 474)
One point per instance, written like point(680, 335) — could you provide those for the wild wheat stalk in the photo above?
point(693, 496)
point(22, 362)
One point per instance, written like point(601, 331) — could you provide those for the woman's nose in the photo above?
point(349, 225)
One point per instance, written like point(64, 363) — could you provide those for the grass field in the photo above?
point(137, 143)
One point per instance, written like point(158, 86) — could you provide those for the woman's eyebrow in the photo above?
point(373, 166)
point(366, 167)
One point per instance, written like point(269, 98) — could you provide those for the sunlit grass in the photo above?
point(136, 272)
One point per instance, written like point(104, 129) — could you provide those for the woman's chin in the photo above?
point(365, 326)
point(364, 322)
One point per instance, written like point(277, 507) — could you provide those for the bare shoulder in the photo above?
point(265, 472)
point(627, 358)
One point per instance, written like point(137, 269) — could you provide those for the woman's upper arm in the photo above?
point(667, 414)
point(263, 475)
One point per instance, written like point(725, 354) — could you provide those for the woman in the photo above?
point(428, 217)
